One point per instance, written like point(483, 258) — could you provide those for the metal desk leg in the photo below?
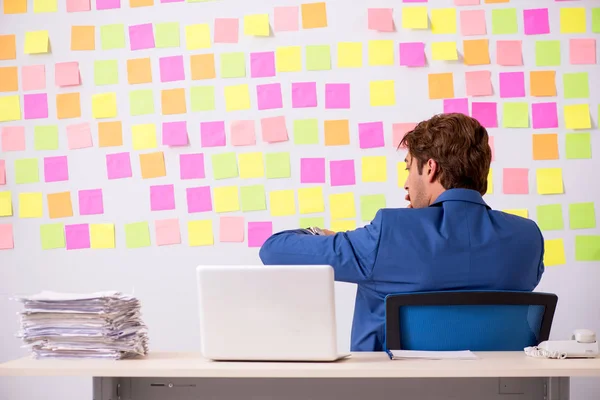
point(558, 388)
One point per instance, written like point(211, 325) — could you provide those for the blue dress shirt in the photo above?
point(457, 243)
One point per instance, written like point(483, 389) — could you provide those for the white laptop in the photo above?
point(267, 313)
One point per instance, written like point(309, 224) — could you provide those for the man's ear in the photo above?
point(432, 170)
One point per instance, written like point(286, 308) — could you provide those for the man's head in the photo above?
point(448, 151)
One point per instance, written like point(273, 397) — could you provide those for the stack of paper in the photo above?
point(98, 325)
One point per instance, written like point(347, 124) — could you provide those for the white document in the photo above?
point(432, 355)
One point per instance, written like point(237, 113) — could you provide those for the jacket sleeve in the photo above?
point(351, 254)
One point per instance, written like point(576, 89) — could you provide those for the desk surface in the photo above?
point(359, 365)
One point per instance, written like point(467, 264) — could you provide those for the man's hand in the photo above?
point(327, 232)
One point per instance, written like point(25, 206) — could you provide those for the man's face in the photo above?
point(416, 184)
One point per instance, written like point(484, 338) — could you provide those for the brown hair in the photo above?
point(459, 145)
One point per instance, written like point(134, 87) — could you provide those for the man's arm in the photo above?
point(351, 254)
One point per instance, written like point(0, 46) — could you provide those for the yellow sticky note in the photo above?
point(443, 20)
point(104, 105)
point(226, 199)
point(444, 51)
point(256, 25)
point(200, 233)
point(10, 108)
point(349, 55)
point(288, 59)
point(521, 212)
point(382, 93)
point(414, 18)
point(251, 165)
point(143, 136)
point(549, 180)
point(282, 203)
point(490, 182)
point(402, 173)
point(45, 6)
point(310, 200)
point(102, 236)
point(381, 52)
point(342, 205)
point(197, 36)
point(343, 225)
point(577, 116)
point(5, 204)
point(237, 97)
point(572, 20)
point(374, 169)
point(31, 205)
point(36, 42)
point(554, 252)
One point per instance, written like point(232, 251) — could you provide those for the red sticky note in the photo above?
point(472, 22)
point(226, 30)
point(167, 232)
point(341, 173)
point(174, 133)
point(33, 77)
point(478, 83)
point(286, 19)
point(56, 169)
point(509, 52)
point(380, 19)
point(582, 51)
point(198, 199)
point(515, 181)
point(162, 197)
point(243, 133)
point(370, 135)
point(6, 237)
point(13, 138)
point(258, 233)
point(274, 129)
point(191, 166)
point(118, 165)
point(485, 113)
point(456, 106)
point(66, 74)
point(90, 202)
point(2, 172)
point(79, 136)
point(399, 130)
point(212, 134)
point(231, 229)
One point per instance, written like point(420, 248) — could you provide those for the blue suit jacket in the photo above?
point(457, 243)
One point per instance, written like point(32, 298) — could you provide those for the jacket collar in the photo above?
point(469, 195)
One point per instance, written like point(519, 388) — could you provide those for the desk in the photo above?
point(170, 376)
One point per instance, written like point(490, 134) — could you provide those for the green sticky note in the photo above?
point(253, 198)
point(112, 36)
point(504, 21)
point(550, 217)
point(370, 204)
point(233, 65)
point(46, 137)
point(137, 235)
point(166, 34)
point(224, 165)
point(582, 216)
point(596, 20)
point(547, 53)
point(306, 131)
point(52, 236)
point(515, 115)
point(106, 72)
point(318, 58)
point(576, 85)
point(307, 222)
point(203, 98)
point(579, 145)
point(141, 102)
point(587, 248)
point(26, 170)
point(278, 165)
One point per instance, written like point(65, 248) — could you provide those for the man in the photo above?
point(447, 239)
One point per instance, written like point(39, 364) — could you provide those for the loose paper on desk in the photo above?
point(432, 355)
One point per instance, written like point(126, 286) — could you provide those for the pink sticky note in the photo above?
point(231, 229)
point(6, 237)
point(66, 74)
point(118, 165)
point(485, 113)
point(460, 106)
point(466, 2)
point(226, 30)
point(491, 143)
point(212, 134)
point(78, 5)
point(312, 170)
point(512, 84)
point(171, 69)
point(414, 1)
point(258, 233)
point(171, 1)
point(90, 202)
point(536, 21)
point(269, 96)
point(582, 51)
point(167, 232)
point(198, 199)
point(337, 95)
point(262, 64)
point(479, 83)
point(174, 133)
point(304, 94)
point(380, 19)
point(56, 169)
point(399, 130)
point(2, 172)
point(472, 22)
point(243, 133)
point(162, 197)
point(13, 138)
point(274, 129)
point(79, 136)
point(78, 236)
point(141, 37)
point(341, 173)
point(509, 53)
point(33, 77)
point(107, 4)
point(544, 115)
point(515, 181)
point(412, 54)
point(286, 19)
point(370, 135)
point(191, 166)
point(36, 105)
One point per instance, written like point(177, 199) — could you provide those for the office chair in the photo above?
point(468, 320)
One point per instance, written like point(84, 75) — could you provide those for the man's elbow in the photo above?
point(265, 253)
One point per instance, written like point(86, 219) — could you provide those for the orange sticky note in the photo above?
point(15, 6)
point(68, 105)
point(545, 146)
point(59, 205)
point(9, 79)
point(202, 66)
point(337, 132)
point(140, 3)
point(542, 83)
point(314, 15)
point(173, 101)
point(83, 38)
point(476, 52)
point(8, 47)
point(139, 70)
point(110, 134)
point(152, 165)
point(441, 86)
